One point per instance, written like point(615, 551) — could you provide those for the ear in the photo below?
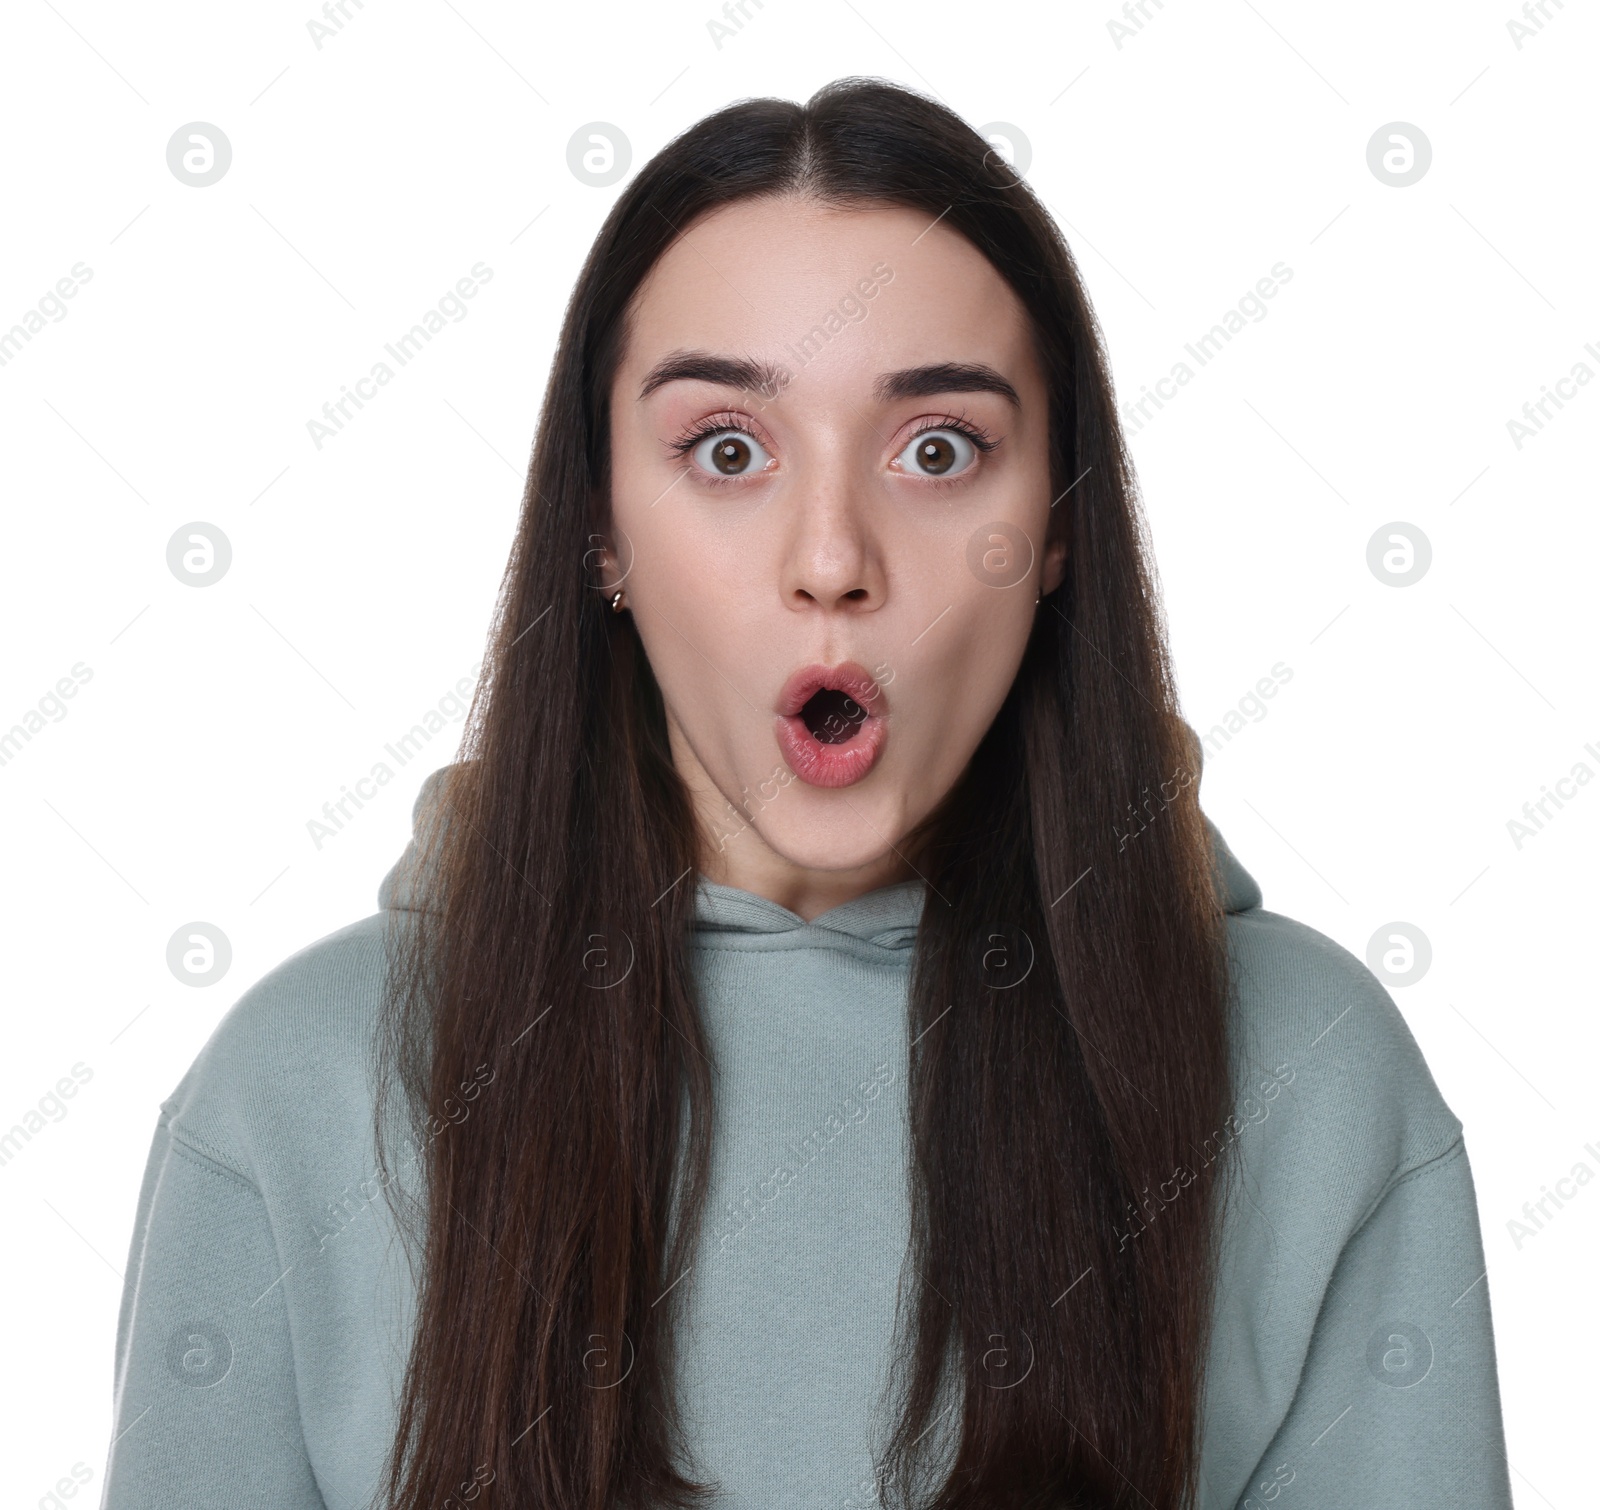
point(1055, 566)
point(604, 572)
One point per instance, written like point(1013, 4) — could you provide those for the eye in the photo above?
point(730, 453)
point(942, 452)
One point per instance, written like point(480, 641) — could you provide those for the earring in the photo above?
point(616, 601)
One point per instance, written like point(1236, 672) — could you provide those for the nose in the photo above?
point(833, 561)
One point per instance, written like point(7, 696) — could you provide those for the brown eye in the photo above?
point(935, 454)
point(938, 453)
point(730, 453)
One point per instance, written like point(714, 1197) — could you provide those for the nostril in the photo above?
point(833, 716)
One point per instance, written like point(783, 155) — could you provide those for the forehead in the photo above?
point(759, 276)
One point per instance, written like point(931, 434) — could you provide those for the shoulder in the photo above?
point(1328, 1066)
point(287, 1072)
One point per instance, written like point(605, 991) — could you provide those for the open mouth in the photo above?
point(832, 723)
point(832, 716)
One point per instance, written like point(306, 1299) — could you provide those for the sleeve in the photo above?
point(205, 1409)
point(1398, 1402)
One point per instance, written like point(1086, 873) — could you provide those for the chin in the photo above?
point(843, 838)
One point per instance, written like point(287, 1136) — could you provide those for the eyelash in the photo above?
point(712, 424)
point(716, 424)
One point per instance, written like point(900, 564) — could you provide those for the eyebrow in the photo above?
point(752, 376)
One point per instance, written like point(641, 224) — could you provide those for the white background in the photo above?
point(423, 137)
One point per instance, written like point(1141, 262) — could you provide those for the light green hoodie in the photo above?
point(268, 1303)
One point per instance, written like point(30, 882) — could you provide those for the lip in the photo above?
point(831, 765)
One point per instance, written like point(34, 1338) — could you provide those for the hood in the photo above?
point(887, 917)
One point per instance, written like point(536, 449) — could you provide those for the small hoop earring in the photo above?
point(616, 601)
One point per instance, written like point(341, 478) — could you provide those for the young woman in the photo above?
point(815, 1051)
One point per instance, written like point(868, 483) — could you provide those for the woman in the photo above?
point(815, 1049)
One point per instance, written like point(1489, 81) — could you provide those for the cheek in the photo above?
point(951, 684)
point(697, 610)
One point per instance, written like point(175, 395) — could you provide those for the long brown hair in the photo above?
point(542, 1028)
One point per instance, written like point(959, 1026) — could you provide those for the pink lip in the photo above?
point(832, 765)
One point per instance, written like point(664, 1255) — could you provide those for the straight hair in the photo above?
point(1067, 996)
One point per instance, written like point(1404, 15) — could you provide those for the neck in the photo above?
point(733, 853)
point(746, 861)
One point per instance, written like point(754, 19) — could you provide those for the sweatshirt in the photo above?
point(267, 1311)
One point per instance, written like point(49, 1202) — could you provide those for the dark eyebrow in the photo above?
point(750, 376)
point(944, 377)
point(702, 366)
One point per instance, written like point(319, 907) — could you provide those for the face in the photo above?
point(830, 497)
